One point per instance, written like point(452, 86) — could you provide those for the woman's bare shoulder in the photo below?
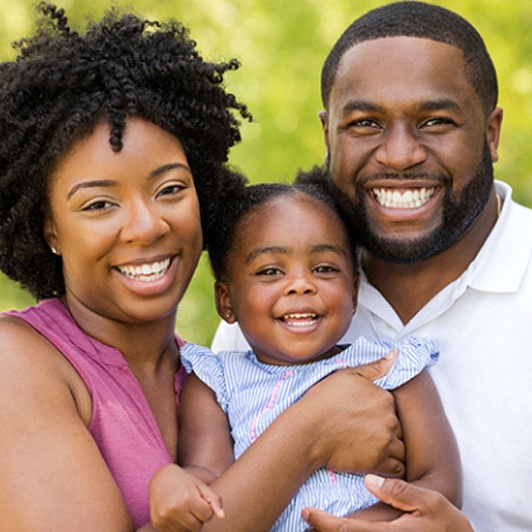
point(30, 364)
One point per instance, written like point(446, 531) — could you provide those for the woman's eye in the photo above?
point(170, 190)
point(99, 205)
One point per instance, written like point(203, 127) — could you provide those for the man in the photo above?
point(412, 129)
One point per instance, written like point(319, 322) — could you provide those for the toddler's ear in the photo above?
point(222, 298)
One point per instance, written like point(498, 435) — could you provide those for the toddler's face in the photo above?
point(293, 288)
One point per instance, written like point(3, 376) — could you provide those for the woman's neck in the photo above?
point(145, 346)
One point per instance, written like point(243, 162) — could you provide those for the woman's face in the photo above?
point(126, 224)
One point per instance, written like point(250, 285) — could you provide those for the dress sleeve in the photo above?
point(415, 354)
point(208, 367)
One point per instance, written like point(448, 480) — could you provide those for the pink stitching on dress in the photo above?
point(332, 474)
point(270, 404)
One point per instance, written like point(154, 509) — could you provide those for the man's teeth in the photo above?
point(408, 199)
point(146, 272)
point(300, 320)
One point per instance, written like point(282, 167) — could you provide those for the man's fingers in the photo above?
point(404, 496)
point(321, 521)
point(379, 368)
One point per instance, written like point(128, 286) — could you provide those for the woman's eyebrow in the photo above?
point(91, 184)
point(166, 167)
point(110, 182)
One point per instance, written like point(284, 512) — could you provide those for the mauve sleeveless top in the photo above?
point(122, 424)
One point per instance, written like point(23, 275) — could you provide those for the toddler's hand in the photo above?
point(180, 501)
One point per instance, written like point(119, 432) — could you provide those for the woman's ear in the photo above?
point(222, 299)
point(50, 235)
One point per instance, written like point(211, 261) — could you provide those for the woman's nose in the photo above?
point(143, 223)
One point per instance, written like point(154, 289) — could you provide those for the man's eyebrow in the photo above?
point(360, 105)
point(110, 182)
point(440, 104)
point(429, 105)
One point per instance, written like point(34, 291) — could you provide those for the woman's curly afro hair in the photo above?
point(63, 83)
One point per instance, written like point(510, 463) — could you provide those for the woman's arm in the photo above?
point(53, 476)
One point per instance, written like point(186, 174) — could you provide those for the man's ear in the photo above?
point(325, 125)
point(50, 235)
point(493, 132)
point(222, 298)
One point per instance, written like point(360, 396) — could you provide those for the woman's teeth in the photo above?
point(146, 272)
point(408, 199)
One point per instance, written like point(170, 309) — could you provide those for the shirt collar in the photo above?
point(502, 262)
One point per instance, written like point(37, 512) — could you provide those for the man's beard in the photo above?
point(459, 211)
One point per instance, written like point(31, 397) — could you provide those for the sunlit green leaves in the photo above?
point(282, 46)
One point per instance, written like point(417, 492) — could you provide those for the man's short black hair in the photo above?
point(427, 21)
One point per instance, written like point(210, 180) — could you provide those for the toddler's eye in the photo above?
point(325, 269)
point(269, 271)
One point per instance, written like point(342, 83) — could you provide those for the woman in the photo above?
point(111, 143)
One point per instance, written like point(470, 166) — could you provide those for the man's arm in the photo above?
point(432, 459)
point(424, 511)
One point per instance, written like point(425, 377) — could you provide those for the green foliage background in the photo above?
point(282, 45)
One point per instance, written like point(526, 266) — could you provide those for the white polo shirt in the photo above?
point(482, 324)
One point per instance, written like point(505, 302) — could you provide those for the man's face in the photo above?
point(409, 145)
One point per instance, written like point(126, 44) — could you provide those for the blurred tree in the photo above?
point(282, 46)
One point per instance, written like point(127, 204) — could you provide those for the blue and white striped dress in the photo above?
point(253, 394)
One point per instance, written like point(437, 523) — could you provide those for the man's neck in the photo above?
point(409, 287)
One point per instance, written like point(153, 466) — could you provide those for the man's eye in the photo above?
point(364, 122)
point(438, 121)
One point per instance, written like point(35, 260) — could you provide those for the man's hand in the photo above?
point(425, 511)
point(354, 421)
